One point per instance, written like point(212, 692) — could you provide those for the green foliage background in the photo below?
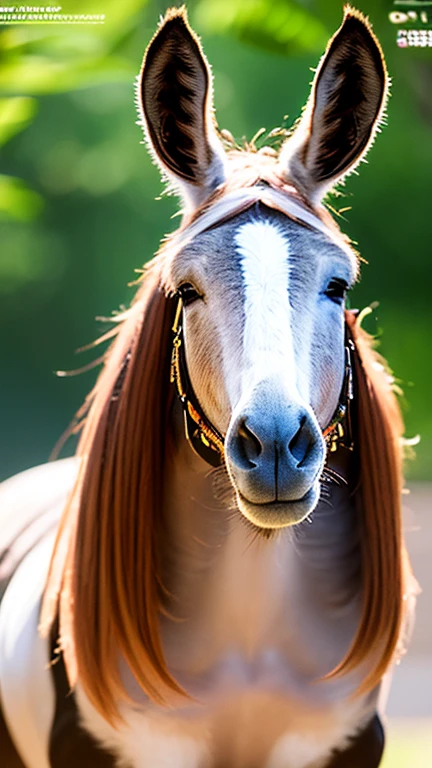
point(77, 191)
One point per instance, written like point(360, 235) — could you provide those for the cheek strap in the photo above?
point(204, 438)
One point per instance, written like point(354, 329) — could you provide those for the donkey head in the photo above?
point(263, 292)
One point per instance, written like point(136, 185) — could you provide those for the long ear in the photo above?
point(343, 112)
point(175, 100)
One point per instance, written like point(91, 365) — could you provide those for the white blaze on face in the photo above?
point(268, 342)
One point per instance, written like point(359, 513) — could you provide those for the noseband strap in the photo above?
point(203, 436)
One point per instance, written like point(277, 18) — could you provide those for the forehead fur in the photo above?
point(250, 167)
point(212, 255)
point(253, 176)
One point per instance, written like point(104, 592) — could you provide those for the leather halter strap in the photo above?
point(203, 436)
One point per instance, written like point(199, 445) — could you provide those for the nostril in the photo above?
point(302, 443)
point(248, 445)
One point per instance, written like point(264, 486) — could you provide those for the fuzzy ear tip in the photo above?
point(350, 11)
point(355, 20)
point(354, 17)
point(173, 25)
point(175, 15)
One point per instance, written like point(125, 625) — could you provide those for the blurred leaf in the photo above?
point(115, 12)
point(51, 40)
point(34, 258)
point(15, 115)
point(36, 74)
point(38, 59)
point(119, 17)
point(281, 26)
point(17, 201)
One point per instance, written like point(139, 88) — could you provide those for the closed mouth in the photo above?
point(279, 514)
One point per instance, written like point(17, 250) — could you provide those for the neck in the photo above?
point(231, 591)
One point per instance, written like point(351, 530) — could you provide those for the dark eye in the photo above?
point(188, 294)
point(336, 290)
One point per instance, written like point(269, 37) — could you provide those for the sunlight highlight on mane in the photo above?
point(386, 573)
point(105, 569)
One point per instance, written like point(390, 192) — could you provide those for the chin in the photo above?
point(272, 516)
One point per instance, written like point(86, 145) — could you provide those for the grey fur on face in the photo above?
point(219, 349)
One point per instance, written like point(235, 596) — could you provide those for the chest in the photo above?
point(252, 610)
point(249, 654)
point(254, 725)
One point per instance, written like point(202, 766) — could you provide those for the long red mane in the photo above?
point(104, 577)
point(386, 573)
